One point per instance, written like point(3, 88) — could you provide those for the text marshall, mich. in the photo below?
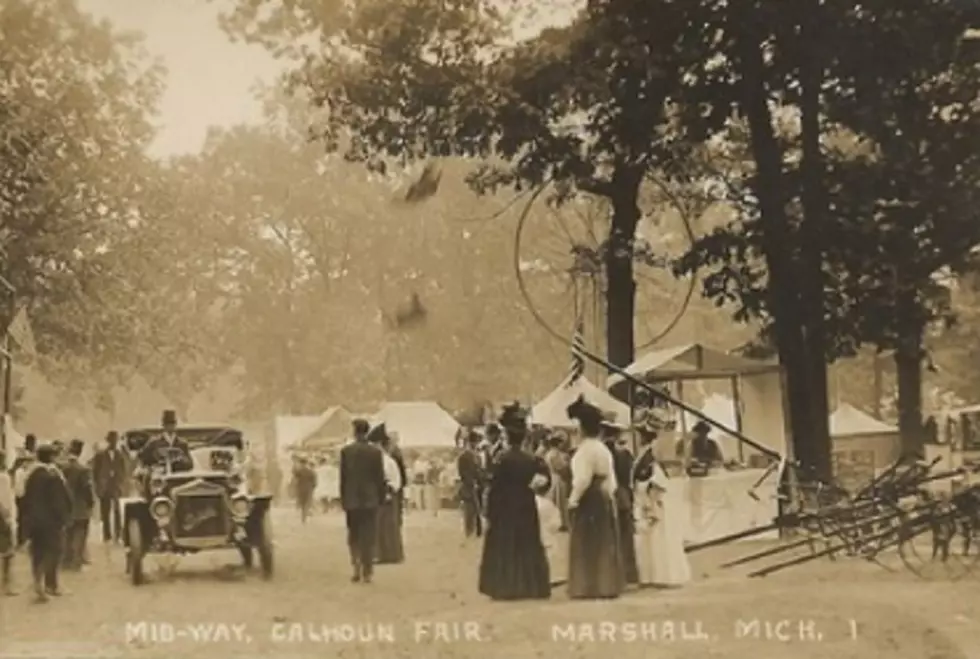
point(695, 631)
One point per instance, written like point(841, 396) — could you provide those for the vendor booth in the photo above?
point(743, 495)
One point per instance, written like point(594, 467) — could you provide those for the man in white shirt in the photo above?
point(21, 470)
point(7, 528)
point(420, 474)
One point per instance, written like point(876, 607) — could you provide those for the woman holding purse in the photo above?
point(660, 552)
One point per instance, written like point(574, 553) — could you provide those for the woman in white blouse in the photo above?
point(595, 567)
point(661, 557)
point(389, 547)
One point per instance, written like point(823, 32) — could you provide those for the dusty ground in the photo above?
point(839, 610)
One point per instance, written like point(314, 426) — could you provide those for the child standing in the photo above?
point(549, 519)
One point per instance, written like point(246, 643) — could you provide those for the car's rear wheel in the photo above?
point(137, 549)
point(264, 544)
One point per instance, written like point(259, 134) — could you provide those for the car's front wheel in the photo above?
point(137, 549)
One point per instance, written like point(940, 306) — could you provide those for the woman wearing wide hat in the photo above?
point(661, 558)
point(595, 567)
point(389, 547)
point(514, 564)
point(611, 433)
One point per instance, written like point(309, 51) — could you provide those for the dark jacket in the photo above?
point(470, 475)
point(78, 478)
point(109, 473)
point(362, 476)
point(153, 454)
point(47, 501)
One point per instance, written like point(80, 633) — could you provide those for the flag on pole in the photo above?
point(577, 368)
point(21, 334)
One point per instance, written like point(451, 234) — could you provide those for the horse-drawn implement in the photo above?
point(912, 516)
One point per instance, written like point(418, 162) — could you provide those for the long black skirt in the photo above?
point(514, 564)
point(388, 547)
point(595, 563)
point(627, 546)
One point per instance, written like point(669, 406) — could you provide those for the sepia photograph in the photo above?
point(489, 328)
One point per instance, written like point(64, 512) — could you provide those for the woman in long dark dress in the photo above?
point(514, 565)
point(388, 544)
point(623, 468)
point(595, 562)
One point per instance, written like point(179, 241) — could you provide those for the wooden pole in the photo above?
point(737, 403)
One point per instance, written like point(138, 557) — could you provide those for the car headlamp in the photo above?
point(161, 509)
point(241, 506)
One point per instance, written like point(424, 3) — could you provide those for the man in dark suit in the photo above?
point(471, 485)
point(167, 447)
point(48, 511)
point(109, 471)
point(78, 477)
point(19, 472)
point(362, 491)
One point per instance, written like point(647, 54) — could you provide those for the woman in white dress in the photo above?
point(659, 518)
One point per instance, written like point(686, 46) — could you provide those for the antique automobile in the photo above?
point(202, 505)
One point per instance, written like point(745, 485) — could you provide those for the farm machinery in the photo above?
point(913, 516)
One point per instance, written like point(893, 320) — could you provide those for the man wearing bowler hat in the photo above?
point(167, 447)
point(363, 488)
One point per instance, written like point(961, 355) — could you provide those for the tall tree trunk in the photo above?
point(621, 288)
point(815, 207)
point(909, 354)
point(779, 240)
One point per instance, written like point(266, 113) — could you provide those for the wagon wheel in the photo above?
point(931, 545)
point(559, 254)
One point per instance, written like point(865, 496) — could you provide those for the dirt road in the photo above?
point(429, 607)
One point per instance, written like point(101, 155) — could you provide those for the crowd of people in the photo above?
point(520, 491)
point(617, 510)
point(48, 497)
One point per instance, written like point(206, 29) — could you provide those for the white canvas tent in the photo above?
point(550, 411)
point(421, 424)
point(331, 429)
point(848, 421)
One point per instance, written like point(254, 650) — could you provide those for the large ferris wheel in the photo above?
point(560, 265)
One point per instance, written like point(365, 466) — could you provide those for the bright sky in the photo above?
point(210, 78)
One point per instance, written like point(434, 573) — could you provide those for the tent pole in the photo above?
point(737, 403)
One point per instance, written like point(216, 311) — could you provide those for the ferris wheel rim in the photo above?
point(539, 318)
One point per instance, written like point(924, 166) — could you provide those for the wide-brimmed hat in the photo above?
point(611, 422)
point(584, 411)
point(648, 423)
point(378, 434)
point(513, 417)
